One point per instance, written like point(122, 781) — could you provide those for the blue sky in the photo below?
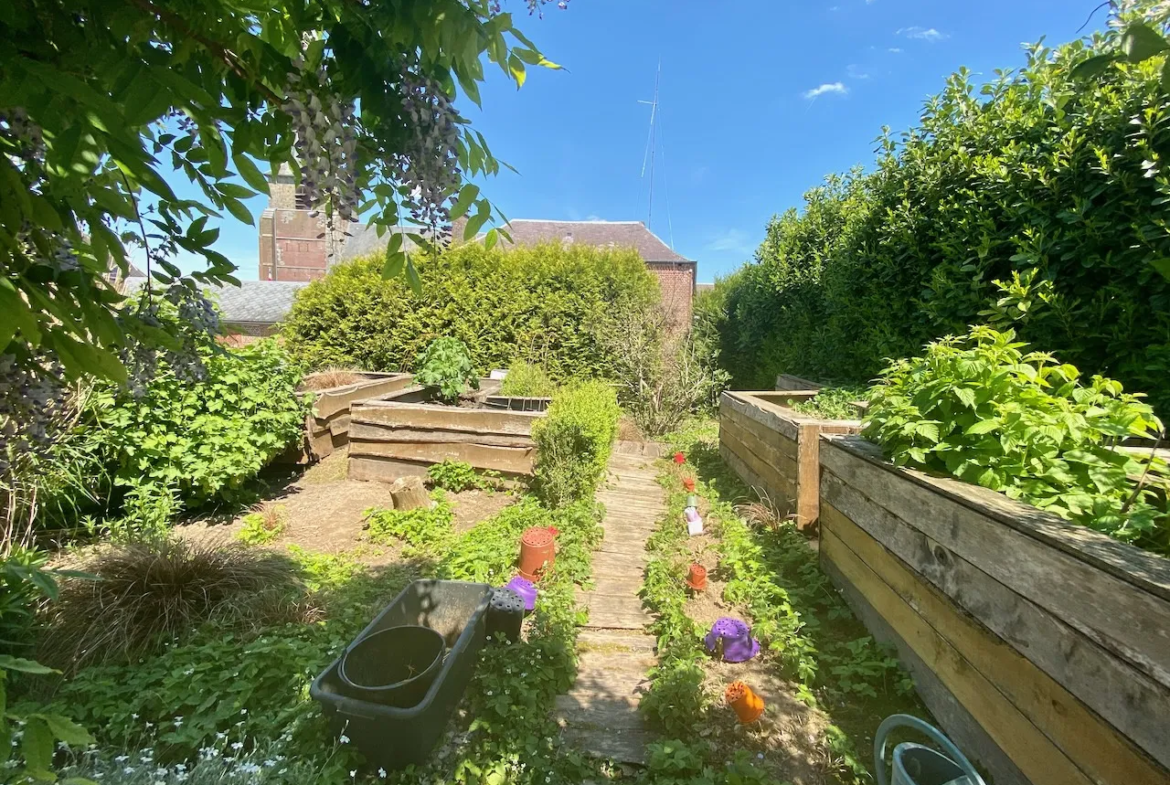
point(759, 101)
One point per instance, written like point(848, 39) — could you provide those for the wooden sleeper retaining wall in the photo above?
point(1043, 648)
point(327, 425)
point(775, 449)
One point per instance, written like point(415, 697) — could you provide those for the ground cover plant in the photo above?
point(765, 572)
point(981, 409)
point(545, 304)
point(458, 476)
point(992, 182)
point(832, 403)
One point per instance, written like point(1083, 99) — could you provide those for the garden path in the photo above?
point(600, 713)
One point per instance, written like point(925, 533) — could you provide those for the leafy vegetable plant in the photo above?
point(457, 476)
point(832, 403)
point(263, 526)
point(446, 365)
point(978, 408)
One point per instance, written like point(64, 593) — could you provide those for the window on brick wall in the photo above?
point(302, 199)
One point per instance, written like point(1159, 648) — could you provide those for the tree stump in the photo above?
point(409, 493)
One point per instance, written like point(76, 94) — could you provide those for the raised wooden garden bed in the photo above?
point(1043, 648)
point(327, 426)
point(404, 434)
point(787, 381)
point(774, 449)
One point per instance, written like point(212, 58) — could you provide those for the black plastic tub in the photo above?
point(392, 737)
point(394, 667)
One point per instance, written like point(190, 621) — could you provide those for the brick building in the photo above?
point(297, 246)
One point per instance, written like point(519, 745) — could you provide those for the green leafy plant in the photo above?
point(832, 403)
point(978, 408)
point(427, 530)
point(40, 731)
point(505, 304)
point(458, 476)
point(995, 180)
point(192, 443)
point(573, 442)
point(263, 526)
point(446, 365)
point(527, 380)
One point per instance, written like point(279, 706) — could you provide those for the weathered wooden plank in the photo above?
point(1147, 570)
point(757, 484)
point(773, 480)
point(338, 399)
point(1119, 615)
point(339, 424)
point(1093, 745)
point(787, 381)
point(951, 715)
point(764, 444)
point(766, 426)
point(372, 469)
point(1041, 761)
point(320, 444)
point(808, 486)
point(514, 460)
point(421, 415)
point(382, 433)
point(1128, 699)
point(742, 404)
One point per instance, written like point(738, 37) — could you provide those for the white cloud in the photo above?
point(730, 241)
point(894, 50)
point(828, 87)
point(855, 72)
point(922, 33)
point(594, 217)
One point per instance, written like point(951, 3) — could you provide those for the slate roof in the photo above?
point(364, 239)
point(252, 302)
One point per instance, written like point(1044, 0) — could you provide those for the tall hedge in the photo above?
point(1033, 170)
point(546, 304)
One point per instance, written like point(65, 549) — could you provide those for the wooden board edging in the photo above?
point(1094, 746)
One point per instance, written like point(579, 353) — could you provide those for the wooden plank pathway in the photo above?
point(599, 714)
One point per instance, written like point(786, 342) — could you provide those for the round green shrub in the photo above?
point(546, 304)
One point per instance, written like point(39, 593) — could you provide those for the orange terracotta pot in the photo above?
point(679, 458)
point(537, 552)
point(689, 484)
point(697, 578)
point(748, 706)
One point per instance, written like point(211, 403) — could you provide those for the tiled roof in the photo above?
point(602, 234)
point(253, 302)
point(364, 239)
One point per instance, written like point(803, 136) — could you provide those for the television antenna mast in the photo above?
point(649, 156)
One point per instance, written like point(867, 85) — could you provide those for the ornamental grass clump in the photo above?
point(978, 408)
point(143, 595)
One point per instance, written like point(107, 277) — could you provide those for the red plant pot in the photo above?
point(679, 458)
point(689, 484)
point(748, 706)
point(537, 552)
point(697, 578)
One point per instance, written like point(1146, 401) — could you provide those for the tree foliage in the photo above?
point(1036, 173)
point(100, 99)
point(545, 304)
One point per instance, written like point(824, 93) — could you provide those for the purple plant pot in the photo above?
point(738, 643)
point(526, 589)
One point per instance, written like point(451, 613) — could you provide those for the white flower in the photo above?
point(270, 763)
point(353, 773)
point(344, 739)
point(489, 693)
point(237, 745)
point(382, 773)
point(178, 722)
point(133, 716)
point(121, 759)
point(243, 711)
point(128, 770)
point(159, 782)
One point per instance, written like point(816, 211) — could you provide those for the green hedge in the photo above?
point(574, 441)
point(1033, 171)
point(546, 304)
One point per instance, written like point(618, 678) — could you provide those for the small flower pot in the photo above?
point(730, 639)
point(689, 484)
point(748, 706)
point(526, 591)
point(692, 500)
point(679, 458)
point(505, 613)
point(697, 577)
point(537, 552)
